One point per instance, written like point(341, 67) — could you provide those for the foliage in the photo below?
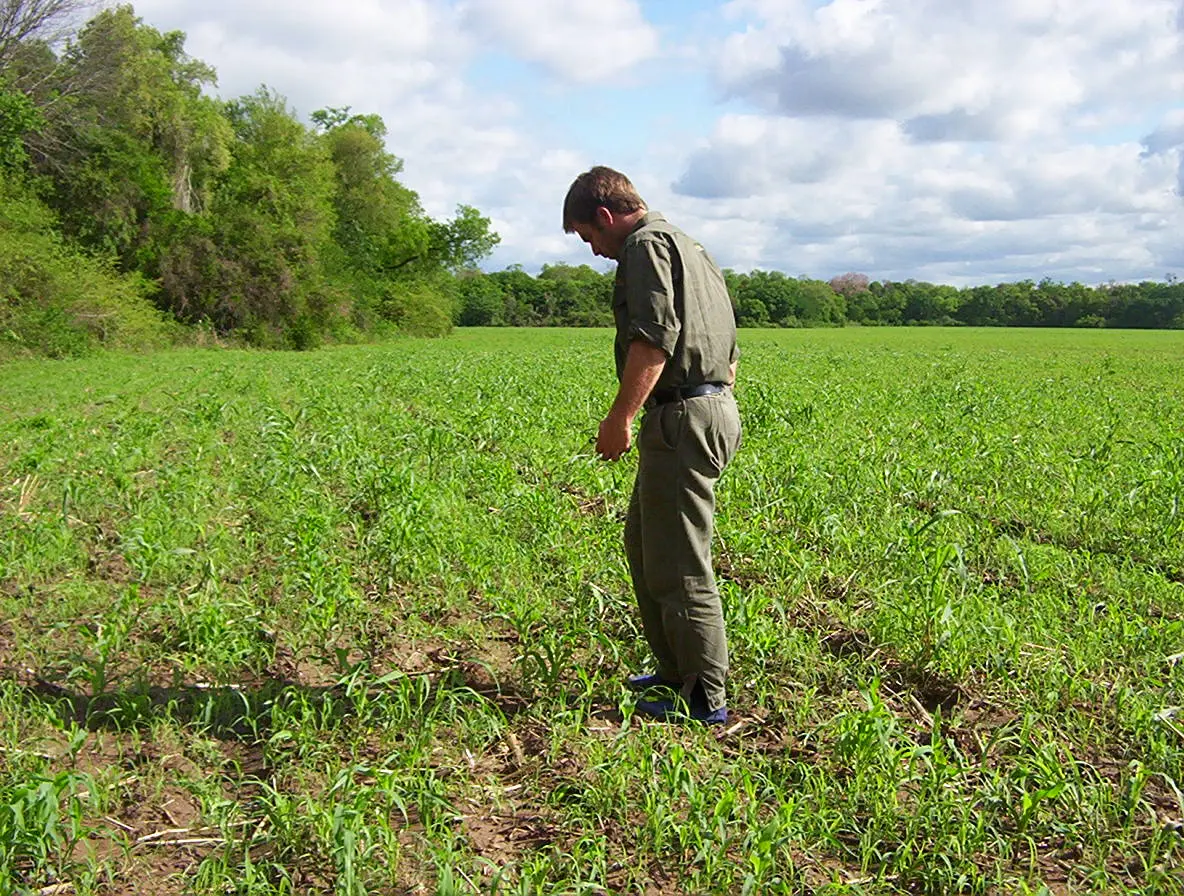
point(390, 252)
point(238, 219)
point(18, 117)
point(58, 302)
point(131, 141)
point(245, 220)
point(377, 218)
point(41, 823)
point(561, 295)
point(422, 306)
point(254, 262)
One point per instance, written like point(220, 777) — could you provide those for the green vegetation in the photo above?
point(57, 299)
point(234, 218)
point(356, 622)
point(578, 296)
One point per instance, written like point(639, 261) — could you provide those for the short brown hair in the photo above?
point(596, 187)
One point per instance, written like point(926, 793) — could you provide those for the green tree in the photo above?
point(816, 303)
point(371, 206)
point(130, 137)
point(863, 307)
point(392, 253)
point(982, 306)
point(525, 297)
point(239, 214)
point(750, 310)
point(928, 303)
point(1146, 305)
point(576, 295)
point(58, 301)
point(18, 117)
point(465, 240)
point(765, 296)
point(481, 302)
point(255, 261)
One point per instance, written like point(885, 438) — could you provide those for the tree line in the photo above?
point(578, 296)
point(133, 204)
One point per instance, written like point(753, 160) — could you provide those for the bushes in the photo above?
point(237, 220)
point(57, 302)
point(422, 307)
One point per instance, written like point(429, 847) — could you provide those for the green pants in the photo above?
point(682, 449)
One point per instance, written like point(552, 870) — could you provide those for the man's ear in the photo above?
point(604, 218)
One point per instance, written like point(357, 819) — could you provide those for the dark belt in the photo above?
point(682, 393)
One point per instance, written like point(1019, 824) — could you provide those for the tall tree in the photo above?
point(255, 260)
point(377, 217)
point(47, 21)
point(130, 137)
point(393, 253)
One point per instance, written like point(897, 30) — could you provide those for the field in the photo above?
point(357, 621)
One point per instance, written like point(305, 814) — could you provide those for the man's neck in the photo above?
point(631, 220)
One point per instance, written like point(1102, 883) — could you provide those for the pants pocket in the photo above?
point(721, 437)
point(671, 424)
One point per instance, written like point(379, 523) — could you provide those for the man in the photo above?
point(676, 359)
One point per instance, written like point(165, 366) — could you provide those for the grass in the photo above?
point(356, 621)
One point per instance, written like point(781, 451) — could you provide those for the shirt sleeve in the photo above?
point(649, 294)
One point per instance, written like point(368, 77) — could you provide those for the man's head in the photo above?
point(602, 206)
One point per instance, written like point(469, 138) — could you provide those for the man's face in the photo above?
point(600, 240)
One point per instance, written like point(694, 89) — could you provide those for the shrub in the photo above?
point(421, 307)
point(58, 302)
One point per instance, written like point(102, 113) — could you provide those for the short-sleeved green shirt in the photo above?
point(670, 293)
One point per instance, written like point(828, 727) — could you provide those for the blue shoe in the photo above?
point(646, 681)
point(677, 711)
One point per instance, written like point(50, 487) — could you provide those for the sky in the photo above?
point(951, 141)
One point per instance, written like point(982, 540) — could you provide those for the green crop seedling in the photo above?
point(356, 621)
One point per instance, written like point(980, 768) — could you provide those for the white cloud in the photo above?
point(311, 31)
point(1169, 135)
point(832, 195)
point(753, 155)
point(1168, 139)
point(406, 60)
point(363, 54)
point(521, 191)
point(403, 60)
point(981, 69)
point(947, 141)
point(580, 41)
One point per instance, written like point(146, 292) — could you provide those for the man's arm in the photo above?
point(643, 366)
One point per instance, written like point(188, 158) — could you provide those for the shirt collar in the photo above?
point(649, 218)
point(644, 221)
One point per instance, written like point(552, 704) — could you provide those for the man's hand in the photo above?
point(615, 437)
point(643, 366)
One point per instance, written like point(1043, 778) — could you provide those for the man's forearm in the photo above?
point(643, 367)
